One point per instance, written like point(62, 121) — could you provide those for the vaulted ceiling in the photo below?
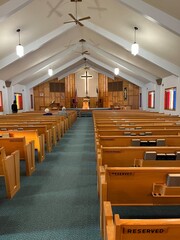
point(108, 36)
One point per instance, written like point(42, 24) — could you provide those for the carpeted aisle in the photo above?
point(60, 200)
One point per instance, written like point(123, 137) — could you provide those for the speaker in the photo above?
point(159, 81)
point(7, 83)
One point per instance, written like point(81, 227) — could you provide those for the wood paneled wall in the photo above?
point(103, 91)
point(69, 90)
point(128, 97)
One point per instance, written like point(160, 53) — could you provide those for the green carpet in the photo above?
point(59, 201)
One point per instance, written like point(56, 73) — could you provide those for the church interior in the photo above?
point(91, 149)
point(57, 47)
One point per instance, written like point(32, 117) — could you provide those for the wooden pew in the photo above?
point(139, 186)
point(10, 170)
point(129, 114)
point(57, 124)
point(116, 228)
point(53, 123)
point(160, 118)
point(30, 135)
point(49, 126)
point(123, 141)
point(137, 132)
point(26, 151)
point(125, 156)
point(136, 157)
point(155, 140)
point(42, 129)
point(136, 120)
point(136, 127)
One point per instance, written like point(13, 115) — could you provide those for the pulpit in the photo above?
point(86, 103)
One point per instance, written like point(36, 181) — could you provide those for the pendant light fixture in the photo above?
point(116, 71)
point(19, 47)
point(50, 72)
point(135, 46)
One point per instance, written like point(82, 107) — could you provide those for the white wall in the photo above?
point(151, 87)
point(5, 98)
point(168, 82)
point(8, 97)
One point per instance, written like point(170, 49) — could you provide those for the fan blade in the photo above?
point(85, 52)
point(80, 24)
point(72, 16)
point(69, 22)
point(85, 18)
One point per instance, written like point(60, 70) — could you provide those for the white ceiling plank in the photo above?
point(11, 7)
point(123, 75)
point(42, 65)
point(108, 35)
point(70, 70)
point(154, 14)
point(56, 71)
point(35, 45)
point(174, 69)
point(80, 66)
point(127, 45)
point(124, 64)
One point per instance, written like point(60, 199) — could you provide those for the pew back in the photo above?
point(42, 130)
point(125, 156)
point(10, 170)
point(116, 228)
point(30, 135)
point(26, 151)
point(138, 186)
point(135, 186)
point(115, 141)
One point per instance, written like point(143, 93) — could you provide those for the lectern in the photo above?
point(85, 103)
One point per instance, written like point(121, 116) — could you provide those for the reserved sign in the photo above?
point(127, 230)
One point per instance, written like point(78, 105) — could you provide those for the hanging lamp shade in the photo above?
point(134, 48)
point(50, 71)
point(20, 50)
point(135, 45)
point(116, 71)
point(19, 47)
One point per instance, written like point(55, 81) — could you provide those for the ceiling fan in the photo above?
point(86, 51)
point(86, 67)
point(83, 52)
point(75, 19)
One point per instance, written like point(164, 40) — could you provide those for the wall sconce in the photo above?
point(135, 46)
point(19, 47)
